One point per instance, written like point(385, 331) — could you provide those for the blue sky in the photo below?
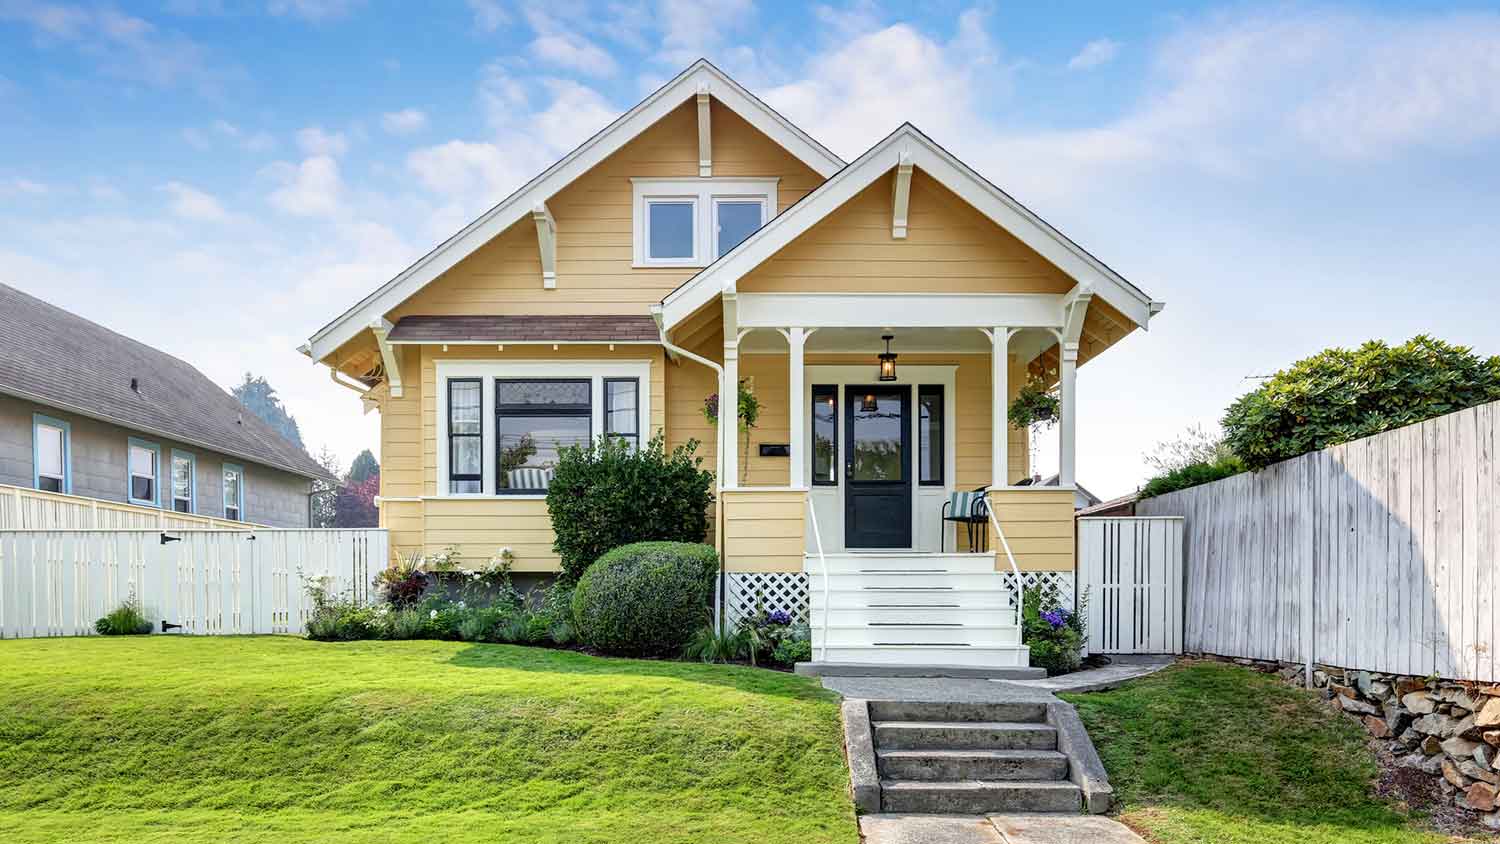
point(219, 179)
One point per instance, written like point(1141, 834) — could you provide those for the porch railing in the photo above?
point(812, 519)
point(989, 508)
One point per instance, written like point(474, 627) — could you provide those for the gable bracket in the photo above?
point(1076, 311)
point(546, 238)
point(705, 139)
point(381, 328)
point(901, 195)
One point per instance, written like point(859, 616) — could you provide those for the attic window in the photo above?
point(691, 222)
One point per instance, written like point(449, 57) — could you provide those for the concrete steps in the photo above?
point(969, 758)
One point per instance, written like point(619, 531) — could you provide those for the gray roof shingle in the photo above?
point(516, 329)
point(59, 359)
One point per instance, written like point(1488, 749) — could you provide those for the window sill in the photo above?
point(669, 265)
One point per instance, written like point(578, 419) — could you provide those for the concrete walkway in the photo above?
point(996, 691)
point(995, 829)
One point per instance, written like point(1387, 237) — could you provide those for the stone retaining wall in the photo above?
point(1447, 729)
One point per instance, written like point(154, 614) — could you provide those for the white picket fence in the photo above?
point(210, 582)
point(1130, 572)
point(1379, 554)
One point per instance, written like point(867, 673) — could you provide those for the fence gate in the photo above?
point(1131, 569)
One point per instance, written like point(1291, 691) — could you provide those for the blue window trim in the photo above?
point(67, 451)
point(240, 504)
point(156, 485)
point(171, 498)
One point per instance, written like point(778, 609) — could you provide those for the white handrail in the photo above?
point(812, 515)
point(989, 510)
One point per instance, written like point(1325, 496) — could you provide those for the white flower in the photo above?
point(432, 614)
point(462, 605)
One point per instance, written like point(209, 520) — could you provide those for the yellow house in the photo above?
point(701, 240)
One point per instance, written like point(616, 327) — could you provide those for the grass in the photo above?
point(1207, 752)
point(196, 739)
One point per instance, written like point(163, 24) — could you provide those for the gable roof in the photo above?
point(603, 144)
point(61, 360)
point(953, 174)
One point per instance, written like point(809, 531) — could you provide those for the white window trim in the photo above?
point(130, 475)
point(192, 498)
point(488, 370)
point(704, 194)
point(239, 504)
point(65, 445)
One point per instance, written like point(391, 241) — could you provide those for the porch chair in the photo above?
point(971, 510)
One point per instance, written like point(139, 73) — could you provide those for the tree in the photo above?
point(1194, 445)
point(1340, 395)
point(364, 467)
point(356, 503)
point(259, 397)
point(325, 493)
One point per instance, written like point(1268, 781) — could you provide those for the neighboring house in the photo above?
point(91, 413)
point(1122, 506)
point(1081, 497)
point(702, 233)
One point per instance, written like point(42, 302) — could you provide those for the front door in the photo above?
point(877, 471)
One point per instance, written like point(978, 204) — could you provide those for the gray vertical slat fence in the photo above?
point(1378, 554)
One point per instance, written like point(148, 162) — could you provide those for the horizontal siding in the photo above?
point(764, 530)
point(1039, 524)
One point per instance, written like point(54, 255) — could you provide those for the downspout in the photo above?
point(661, 331)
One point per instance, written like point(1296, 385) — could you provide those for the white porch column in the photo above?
point(729, 395)
point(999, 401)
point(797, 410)
point(1067, 439)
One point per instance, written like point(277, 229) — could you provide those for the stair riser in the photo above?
point(916, 615)
point(1002, 657)
point(980, 801)
point(970, 599)
point(914, 737)
point(944, 769)
point(930, 580)
point(908, 710)
point(857, 564)
point(907, 635)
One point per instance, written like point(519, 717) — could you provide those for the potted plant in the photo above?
point(1034, 404)
point(749, 412)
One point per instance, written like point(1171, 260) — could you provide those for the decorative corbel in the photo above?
point(546, 238)
point(901, 196)
point(381, 328)
point(705, 140)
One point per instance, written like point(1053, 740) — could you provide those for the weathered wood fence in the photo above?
point(1377, 555)
point(58, 582)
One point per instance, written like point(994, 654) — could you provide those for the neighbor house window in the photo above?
point(234, 492)
point(183, 471)
point(825, 439)
point(145, 472)
point(535, 419)
point(930, 434)
point(51, 448)
point(465, 436)
point(691, 222)
point(622, 416)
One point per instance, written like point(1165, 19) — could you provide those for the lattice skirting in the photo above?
point(751, 593)
point(1062, 581)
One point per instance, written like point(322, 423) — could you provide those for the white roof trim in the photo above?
point(907, 142)
point(520, 204)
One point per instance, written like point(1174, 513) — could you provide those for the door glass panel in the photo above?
point(875, 452)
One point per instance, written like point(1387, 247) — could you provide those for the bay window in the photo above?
point(692, 222)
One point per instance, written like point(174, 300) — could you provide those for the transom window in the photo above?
point(145, 472)
point(50, 441)
point(691, 222)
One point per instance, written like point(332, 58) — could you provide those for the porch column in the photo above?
point(797, 410)
point(999, 395)
point(729, 395)
point(1068, 426)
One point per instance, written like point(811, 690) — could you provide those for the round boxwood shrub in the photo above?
point(645, 599)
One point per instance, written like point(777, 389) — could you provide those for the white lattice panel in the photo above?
point(1062, 581)
point(754, 592)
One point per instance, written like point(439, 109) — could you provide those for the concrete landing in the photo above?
point(1123, 668)
point(995, 829)
point(942, 690)
point(858, 669)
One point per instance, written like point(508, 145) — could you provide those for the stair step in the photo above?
point(907, 580)
point(918, 710)
point(957, 635)
point(900, 561)
point(984, 656)
point(979, 797)
point(931, 614)
point(970, 765)
point(964, 735)
point(996, 598)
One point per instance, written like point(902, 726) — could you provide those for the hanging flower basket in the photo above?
point(1034, 405)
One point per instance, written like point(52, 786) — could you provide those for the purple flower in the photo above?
point(779, 617)
point(1057, 618)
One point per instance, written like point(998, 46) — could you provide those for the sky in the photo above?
point(220, 179)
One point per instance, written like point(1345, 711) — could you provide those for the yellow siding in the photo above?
point(763, 530)
point(1039, 524)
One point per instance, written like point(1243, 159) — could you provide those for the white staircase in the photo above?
point(912, 608)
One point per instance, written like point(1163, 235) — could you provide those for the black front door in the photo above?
point(877, 473)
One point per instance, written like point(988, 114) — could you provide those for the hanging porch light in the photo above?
point(887, 360)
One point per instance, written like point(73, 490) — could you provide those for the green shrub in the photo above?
point(644, 599)
point(1052, 631)
point(709, 645)
point(128, 619)
point(1192, 475)
point(483, 623)
point(792, 651)
point(409, 623)
point(604, 495)
point(1340, 395)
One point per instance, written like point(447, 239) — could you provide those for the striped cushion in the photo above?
point(528, 478)
point(966, 504)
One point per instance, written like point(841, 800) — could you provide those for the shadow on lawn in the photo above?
point(759, 681)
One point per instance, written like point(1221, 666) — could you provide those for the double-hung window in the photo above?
point(692, 222)
point(234, 492)
point(535, 419)
point(183, 472)
point(465, 436)
point(51, 452)
point(622, 417)
point(145, 472)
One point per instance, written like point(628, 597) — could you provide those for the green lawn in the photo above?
point(194, 739)
point(1208, 752)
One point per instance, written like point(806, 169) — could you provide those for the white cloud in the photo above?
point(489, 15)
point(574, 52)
point(30, 187)
point(457, 168)
point(312, 10)
point(1095, 53)
point(692, 29)
point(190, 203)
point(315, 141)
point(105, 192)
point(404, 122)
point(121, 45)
point(311, 189)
